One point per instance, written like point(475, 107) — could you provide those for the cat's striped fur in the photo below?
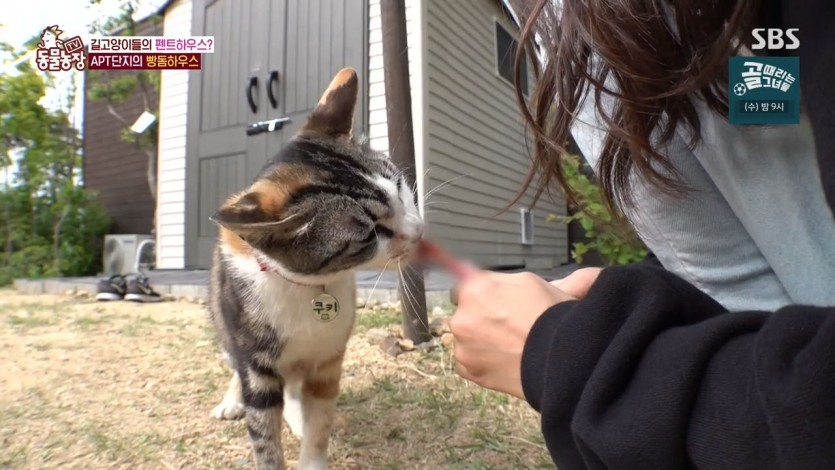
point(323, 207)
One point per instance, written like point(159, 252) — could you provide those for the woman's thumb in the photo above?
point(578, 283)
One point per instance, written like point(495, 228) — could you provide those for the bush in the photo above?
point(615, 242)
point(49, 224)
point(28, 232)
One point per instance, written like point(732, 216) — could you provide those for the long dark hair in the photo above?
point(658, 64)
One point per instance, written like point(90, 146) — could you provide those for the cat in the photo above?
point(282, 293)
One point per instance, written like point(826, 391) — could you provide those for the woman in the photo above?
point(639, 367)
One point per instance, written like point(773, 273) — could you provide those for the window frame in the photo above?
point(497, 23)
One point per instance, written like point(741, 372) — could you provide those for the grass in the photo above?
point(381, 318)
point(121, 385)
point(90, 322)
point(26, 321)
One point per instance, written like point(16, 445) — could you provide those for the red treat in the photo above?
point(436, 254)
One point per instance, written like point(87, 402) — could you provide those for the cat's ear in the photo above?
point(334, 115)
point(254, 213)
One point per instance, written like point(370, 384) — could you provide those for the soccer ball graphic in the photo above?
point(740, 89)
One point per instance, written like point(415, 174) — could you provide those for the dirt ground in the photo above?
point(121, 385)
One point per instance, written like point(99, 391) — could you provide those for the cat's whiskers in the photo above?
point(399, 137)
point(414, 183)
point(399, 173)
point(425, 178)
point(409, 295)
point(382, 271)
point(442, 185)
point(405, 286)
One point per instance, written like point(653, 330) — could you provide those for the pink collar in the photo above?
point(264, 268)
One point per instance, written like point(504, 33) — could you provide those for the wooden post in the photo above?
point(402, 151)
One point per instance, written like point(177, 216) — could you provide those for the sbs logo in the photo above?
point(772, 39)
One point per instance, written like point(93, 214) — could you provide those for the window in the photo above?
point(506, 47)
point(527, 226)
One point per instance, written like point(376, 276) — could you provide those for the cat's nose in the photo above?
point(413, 237)
point(417, 235)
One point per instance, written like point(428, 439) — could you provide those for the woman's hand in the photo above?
point(578, 283)
point(494, 316)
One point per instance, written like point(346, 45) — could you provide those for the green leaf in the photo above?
point(587, 224)
point(44, 188)
point(596, 208)
point(614, 244)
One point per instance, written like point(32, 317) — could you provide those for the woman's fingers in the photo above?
point(491, 323)
point(578, 283)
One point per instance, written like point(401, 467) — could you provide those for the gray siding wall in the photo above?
point(476, 140)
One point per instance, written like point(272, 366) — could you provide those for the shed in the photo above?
point(470, 144)
point(116, 169)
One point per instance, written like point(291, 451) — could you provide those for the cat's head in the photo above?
point(330, 203)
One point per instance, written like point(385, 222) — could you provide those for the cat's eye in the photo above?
point(370, 238)
point(384, 231)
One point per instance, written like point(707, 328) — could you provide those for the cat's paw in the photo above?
point(293, 417)
point(229, 410)
point(319, 464)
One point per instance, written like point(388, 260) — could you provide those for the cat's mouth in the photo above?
point(404, 252)
point(404, 248)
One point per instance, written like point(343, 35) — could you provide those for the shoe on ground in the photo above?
point(113, 288)
point(140, 290)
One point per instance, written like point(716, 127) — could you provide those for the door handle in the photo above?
point(271, 83)
point(253, 83)
point(266, 126)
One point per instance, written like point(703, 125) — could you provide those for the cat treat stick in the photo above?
point(434, 253)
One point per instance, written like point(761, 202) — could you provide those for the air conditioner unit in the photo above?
point(121, 251)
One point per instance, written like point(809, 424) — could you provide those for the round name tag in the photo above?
point(325, 307)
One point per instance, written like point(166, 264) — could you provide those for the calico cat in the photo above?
point(282, 288)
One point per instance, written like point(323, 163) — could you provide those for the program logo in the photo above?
point(59, 55)
point(765, 90)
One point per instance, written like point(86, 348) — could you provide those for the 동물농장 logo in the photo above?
point(55, 54)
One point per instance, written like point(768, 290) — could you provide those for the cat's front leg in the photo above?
point(320, 390)
point(231, 407)
point(263, 398)
point(293, 406)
